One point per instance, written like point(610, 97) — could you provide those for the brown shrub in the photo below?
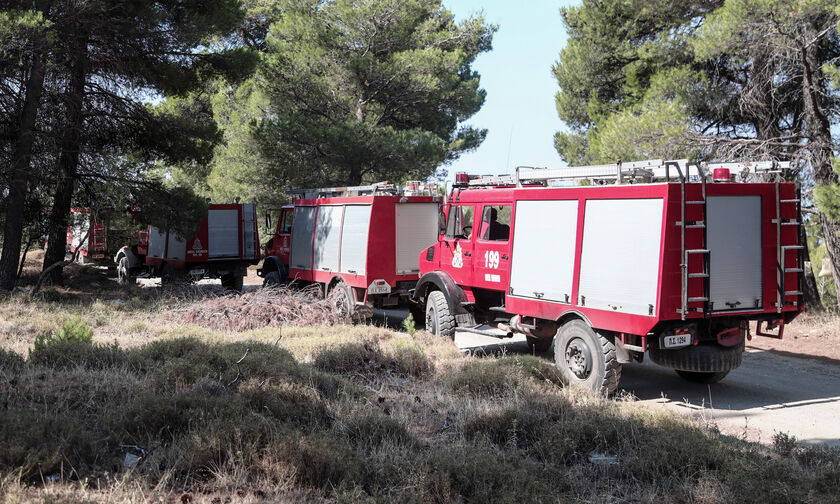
point(274, 307)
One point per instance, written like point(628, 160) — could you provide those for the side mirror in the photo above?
point(268, 220)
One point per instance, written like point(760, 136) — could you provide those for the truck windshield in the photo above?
point(460, 222)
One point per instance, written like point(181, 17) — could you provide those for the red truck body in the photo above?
point(670, 268)
point(367, 245)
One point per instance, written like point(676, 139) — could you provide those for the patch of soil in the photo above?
point(808, 336)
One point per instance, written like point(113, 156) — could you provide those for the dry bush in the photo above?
point(276, 307)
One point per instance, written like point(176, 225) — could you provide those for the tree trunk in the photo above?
point(13, 228)
point(68, 162)
point(821, 149)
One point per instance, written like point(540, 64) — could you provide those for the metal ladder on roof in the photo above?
point(622, 172)
point(333, 192)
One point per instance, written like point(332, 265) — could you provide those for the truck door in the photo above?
point(280, 243)
point(456, 250)
point(491, 263)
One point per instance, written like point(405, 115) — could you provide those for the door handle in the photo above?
point(468, 254)
point(505, 257)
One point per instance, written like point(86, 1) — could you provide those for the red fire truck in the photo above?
point(226, 244)
point(359, 244)
point(106, 236)
point(623, 266)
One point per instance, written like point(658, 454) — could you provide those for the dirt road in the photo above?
point(769, 393)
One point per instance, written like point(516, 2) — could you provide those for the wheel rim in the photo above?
point(431, 321)
point(579, 358)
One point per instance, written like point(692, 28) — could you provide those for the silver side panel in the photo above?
point(544, 249)
point(177, 249)
point(328, 238)
point(417, 228)
point(733, 234)
point(620, 258)
point(301, 255)
point(157, 243)
point(354, 239)
point(223, 233)
point(249, 217)
point(81, 223)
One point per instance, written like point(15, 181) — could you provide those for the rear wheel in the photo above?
point(232, 282)
point(586, 358)
point(272, 279)
point(699, 377)
point(167, 274)
point(439, 319)
point(123, 271)
point(703, 359)
point(342, 298)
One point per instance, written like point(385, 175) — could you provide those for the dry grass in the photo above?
point(270, 411)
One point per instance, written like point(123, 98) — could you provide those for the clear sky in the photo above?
point(519, 111)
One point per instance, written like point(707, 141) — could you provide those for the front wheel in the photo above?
point(586, 358)
point(439, 319)
point(272, 279)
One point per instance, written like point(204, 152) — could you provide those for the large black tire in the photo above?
point(340, 295)
point(439, 319)
point(167, 274)
point(709, 358)
point(232, 282)
point(272, 279)
point(124, 272)
point(705, 378)
point(586, 358)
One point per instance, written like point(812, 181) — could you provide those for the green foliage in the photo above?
point(408, 325)
point(73, 331)
point(350, 91)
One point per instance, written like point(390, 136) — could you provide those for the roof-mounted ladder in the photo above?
point(622, 172)
point(334, 192)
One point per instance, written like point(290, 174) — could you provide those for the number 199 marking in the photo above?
point(491, 259)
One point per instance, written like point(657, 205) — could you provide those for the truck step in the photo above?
point(697, 299)
point(789, 201)
point(794, 270)
point(793, 293)
point(697, 251)
point(698, 275)
point(498, 309)
point(486, 330)
point(700, 202)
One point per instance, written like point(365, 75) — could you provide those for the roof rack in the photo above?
point(333, 192)
point(622, 172)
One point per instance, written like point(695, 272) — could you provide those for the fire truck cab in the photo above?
point(655, 257)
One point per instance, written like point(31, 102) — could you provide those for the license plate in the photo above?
point(197, 271)
point(677, 340)
point(377, 289)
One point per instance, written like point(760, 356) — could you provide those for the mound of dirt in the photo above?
point(274, 307)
